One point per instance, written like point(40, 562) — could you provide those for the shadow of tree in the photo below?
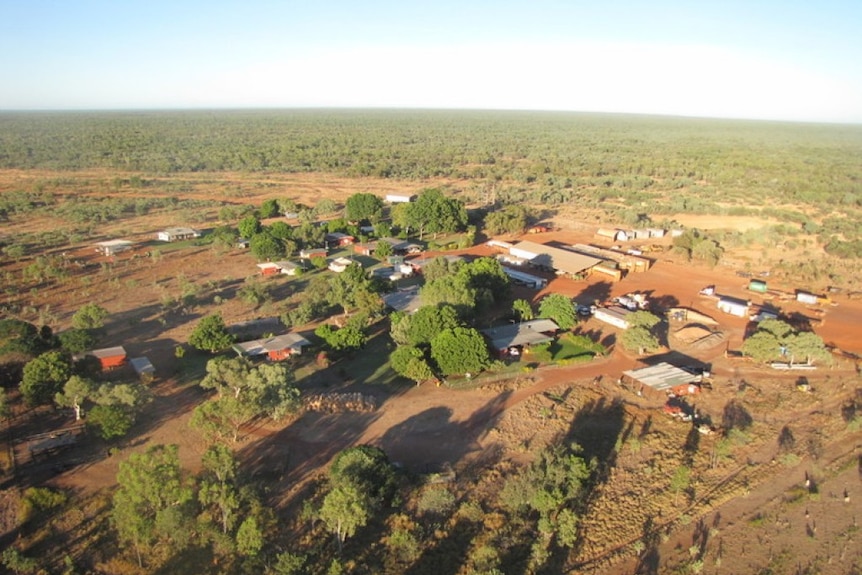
point(598, 429)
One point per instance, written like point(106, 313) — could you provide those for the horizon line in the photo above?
point(169, 109)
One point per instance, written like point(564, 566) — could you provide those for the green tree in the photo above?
point(383, 250)
point(110, 421)
point(75, 391)
point(44, 377)
point(269, 208)
point(643, 319)
point(440, 267)
point(460, 350)
point(21, 337)
point(280, 230)
point(4, 404)
point(344, 510)
point(341, 339)
point(432, 212)
point(410, 362)
point(707, 251)
point(249, 538)
point(264, 247)
point(639, 339)
point(77, 340)
point(325, 207)
point(90, 316)
point(810, 346)
point(17, 562)
point(152, 502)
point(362, 481)
point(211, 334)
point(249, 226)
point(453, 290)
point(510, 220)
point(762, 346)
point(551, 487)
point(363, 206)
point(559, 308)
point(523, 309)
point(344, 288)
point(288, 564)
point(490, 282)
point(428, 321)
point(218, 491)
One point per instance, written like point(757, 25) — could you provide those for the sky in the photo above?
point(759, 59)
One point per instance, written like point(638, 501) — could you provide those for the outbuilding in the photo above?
point(338, 265)
point(338, 240)
point(733, 306)
point(268, 269)
point(111, 247)
point(177, 234)
point(142, 366)
point(661, 376)
point(109, 357)
point(806, 297)
point(614, 315)
point(399, 198)
point(310, 253)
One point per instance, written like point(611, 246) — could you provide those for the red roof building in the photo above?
point(110, 357)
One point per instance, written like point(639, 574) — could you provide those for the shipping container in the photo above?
point(757, 285)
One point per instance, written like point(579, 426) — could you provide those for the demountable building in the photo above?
point(112, 247)
point(177, 234)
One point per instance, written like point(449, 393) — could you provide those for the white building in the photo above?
point(733, 306)
point(614, 315)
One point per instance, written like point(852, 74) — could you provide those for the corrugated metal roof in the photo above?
point(526, 333)
point(661, 376)
point(559, 259)
point(142, 365)
point(108, 352)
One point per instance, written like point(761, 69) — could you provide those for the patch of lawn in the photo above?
point(567, 348)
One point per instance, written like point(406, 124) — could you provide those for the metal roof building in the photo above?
point(524, 333)
point(661, 376)
point(550, 257)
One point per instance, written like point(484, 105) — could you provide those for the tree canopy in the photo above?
point(428, 321)
point(776, 340)
point(44, 376)
point(362, 480)
point(511, 219)
point(153, 499)
point(363, 206)
point(460, 350)
point(559, 308)
point(410, 362)
point(210, 334)
point(434, 213)
point(89, 316)
point(639, 339)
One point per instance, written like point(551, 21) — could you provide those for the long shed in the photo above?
point(109, 357)
point(661, 376)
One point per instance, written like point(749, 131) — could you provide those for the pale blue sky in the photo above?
point(787, 60)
